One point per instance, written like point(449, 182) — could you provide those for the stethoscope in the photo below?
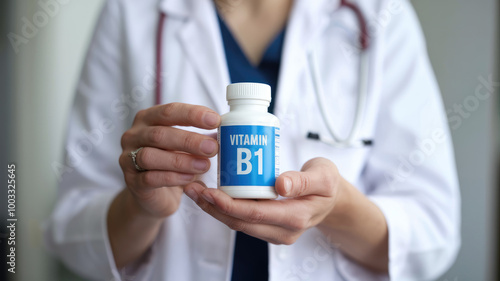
point(334, 140)
point(351, 140)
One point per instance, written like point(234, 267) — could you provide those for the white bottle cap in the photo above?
point(248, 91)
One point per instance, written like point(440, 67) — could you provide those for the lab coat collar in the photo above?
point(179, 8)
point(201, 30)
point(308, 21)
point(183, 7)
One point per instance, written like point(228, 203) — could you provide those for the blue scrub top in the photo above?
point(250, 261)
point(240, 68)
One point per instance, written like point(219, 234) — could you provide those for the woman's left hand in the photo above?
point(311, 195)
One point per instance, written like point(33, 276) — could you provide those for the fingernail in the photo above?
point(209, 198)
point(208, 146)
point(192, 194)
point(287, 185)
point(200, 165)
point(187, 177)
point(211, 119)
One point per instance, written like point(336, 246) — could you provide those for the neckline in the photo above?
point(274, 46)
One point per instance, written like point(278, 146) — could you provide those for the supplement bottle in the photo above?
point(249, 143)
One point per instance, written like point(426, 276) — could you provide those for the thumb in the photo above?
point(319, 176)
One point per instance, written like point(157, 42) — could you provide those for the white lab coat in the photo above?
point(409, 172)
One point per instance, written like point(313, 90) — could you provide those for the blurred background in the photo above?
point(39, 74)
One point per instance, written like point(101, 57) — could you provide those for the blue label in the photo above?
point(248, 155)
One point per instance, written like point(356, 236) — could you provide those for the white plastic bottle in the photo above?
point(249, 143)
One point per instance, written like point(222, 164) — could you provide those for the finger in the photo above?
point(319, 176)
point(273, 234)
point(175, 139)
point(150, 158)
point(270, 233)
point(155, 179)
point(180, 114)
point(290, 214)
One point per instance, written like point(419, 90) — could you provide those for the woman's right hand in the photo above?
point(172, 157)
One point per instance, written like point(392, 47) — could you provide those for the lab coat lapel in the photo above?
point(201, 40)
point(303, 30)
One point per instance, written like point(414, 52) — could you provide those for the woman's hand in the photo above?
point(172, 157)
point(312, 195)
point(318, 196)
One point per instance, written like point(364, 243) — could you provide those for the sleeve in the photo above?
point(410, 173)
point(90, 176)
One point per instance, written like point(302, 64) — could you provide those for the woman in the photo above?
point(389, 210)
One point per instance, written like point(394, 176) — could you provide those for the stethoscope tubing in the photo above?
point(362, 93)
